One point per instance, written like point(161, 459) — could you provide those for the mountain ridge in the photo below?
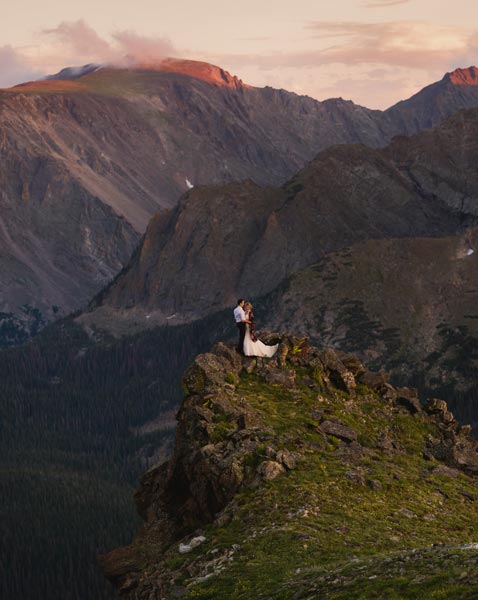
point(420, 186)
point(116, 145)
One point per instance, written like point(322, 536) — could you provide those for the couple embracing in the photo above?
point(249, 345)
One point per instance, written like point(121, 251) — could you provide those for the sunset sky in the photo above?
point(374, 52)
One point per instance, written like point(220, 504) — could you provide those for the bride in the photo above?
point(253, 346)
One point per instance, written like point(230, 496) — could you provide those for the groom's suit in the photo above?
point(240, 317)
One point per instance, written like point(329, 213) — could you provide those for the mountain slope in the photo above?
point(224, 242)
point(434, 103)
point(88, 160)
point(109, 147)
point(304, 476)
point(407, 305)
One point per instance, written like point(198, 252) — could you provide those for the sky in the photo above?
point(374, 52)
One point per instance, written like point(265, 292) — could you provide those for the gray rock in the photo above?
point(287, 459)
point(194, 543)
point(374, 381)
point(445, 471)
point(338, 430)
point(356, 476)
point(270, 469)
point(408, 397)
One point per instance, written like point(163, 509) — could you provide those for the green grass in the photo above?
point(313, 531)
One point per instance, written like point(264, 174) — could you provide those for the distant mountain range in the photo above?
point(224, 241)
point(90, 155)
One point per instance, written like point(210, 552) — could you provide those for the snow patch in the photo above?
point(194, 543)
point(189, 184)
point(74, 72)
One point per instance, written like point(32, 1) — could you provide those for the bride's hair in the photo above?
point(247, 305)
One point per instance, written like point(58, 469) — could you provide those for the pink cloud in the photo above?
point(141, 48)
point(14, 67)
point(82, 44)
point(401, 44)
point(81, 40)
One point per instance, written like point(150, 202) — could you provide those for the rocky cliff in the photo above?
point(304, 476)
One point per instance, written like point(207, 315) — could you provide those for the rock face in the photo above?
point(254, 458)
point(223, 240)
point(91, 154)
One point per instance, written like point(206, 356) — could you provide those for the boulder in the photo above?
point(207, 373)
point(374, 381)
point(194, 543)
point(270, 469)
point(408, 397)
point(287, 459)
point(439, 409)
point(445, 471)
point(337, 372)
point(338, 430)
point(353, 364)
point(356, 476)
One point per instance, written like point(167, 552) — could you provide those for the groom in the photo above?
point(240, 319)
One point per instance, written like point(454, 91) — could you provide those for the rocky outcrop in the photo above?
point(228, 443)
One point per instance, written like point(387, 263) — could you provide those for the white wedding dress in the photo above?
point(257, 348)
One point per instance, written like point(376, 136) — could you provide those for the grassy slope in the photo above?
point(315, 533)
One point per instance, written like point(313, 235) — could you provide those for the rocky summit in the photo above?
point(305, 476)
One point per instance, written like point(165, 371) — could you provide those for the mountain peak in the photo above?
point(202, 71)
point(199, 70)
point(467, 76)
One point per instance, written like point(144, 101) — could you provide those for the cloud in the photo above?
point(384, 3)
point(74, 43)
point(143, 49)
point(409, 44)
point(81, 44)
point(374, 64)
point(79, 39)
point(15, 67)
point(401, 43)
